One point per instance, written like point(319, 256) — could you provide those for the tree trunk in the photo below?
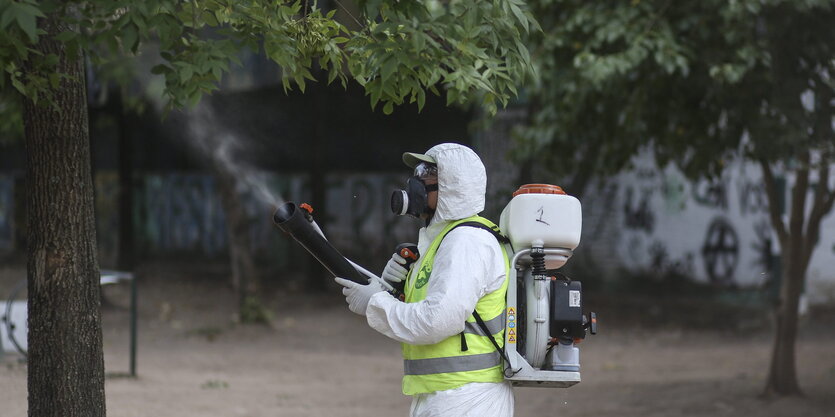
point(244, 273)
point(66, 366)
point(782, 374)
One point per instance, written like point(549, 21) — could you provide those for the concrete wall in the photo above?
point(646, 220)
point(657, 223)
point(180, 214)
point(655, 220)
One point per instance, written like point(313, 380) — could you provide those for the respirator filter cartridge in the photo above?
point(399, 202)
point(413, 200)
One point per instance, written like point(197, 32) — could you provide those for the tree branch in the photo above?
point(829, 202)
point(773, 202)
point(798, 213)
point(823, 199)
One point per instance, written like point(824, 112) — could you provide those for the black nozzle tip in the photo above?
point(284, 213)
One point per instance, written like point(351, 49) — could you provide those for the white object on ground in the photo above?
point(19, 319)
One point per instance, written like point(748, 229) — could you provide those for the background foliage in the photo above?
point(698, 81)
point(398, 49)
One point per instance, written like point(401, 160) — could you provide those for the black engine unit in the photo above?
point(567, 320)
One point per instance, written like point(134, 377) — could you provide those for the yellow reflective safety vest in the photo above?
point(445, 365)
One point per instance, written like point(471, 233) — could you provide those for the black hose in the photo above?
point(299, 224)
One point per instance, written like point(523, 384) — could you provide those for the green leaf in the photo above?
point(388, 68)
point(54, 80)
point(186, 72)
point(129, 38)
point(160, 69)
point(209, 18)
point(523, 51)
point(26, 19)
point(7, 17)
point(65, 36)
point(421, 99)
point(388, 108)
point(18, 85)
point(523, 20)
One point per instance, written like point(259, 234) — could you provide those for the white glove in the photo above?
point(395, 270)
point(358, 295)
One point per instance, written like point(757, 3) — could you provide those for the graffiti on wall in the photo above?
point(605, 204)
point(711, 194)
point(713, 231)
point(360, 221)
point(182, 212)
point(753, 198)
point(636, 214)
point(6, 213)
point(673, 190)
point(764, 250)
point(720, 251)
point(662, 263)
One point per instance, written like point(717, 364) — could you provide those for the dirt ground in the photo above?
point(319, 359)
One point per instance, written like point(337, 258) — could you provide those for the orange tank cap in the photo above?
point(538, 189)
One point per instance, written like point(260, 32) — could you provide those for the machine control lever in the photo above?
point(409, 252)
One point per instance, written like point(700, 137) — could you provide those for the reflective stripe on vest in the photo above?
point(452, 364)
point(494, 325)
point(443, 365)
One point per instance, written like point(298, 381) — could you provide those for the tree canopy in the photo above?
point(397, 50)
point(699, 81)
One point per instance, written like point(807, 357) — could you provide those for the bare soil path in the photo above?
point(319, 359)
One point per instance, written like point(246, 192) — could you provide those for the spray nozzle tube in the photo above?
point(297, 221)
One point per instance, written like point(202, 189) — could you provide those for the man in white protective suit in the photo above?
point(451, 324)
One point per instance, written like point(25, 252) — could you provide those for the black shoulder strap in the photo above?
point(493, 230)
point(484, 329)
point(503, 240)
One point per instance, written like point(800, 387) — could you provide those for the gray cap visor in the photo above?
point(411, 159)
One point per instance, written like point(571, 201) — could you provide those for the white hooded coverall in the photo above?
point(468, 265)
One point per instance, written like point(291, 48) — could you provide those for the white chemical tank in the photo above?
point(543, 215)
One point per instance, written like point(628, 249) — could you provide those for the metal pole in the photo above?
point(133, 326)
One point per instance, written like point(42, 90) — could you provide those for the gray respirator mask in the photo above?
point(414, 200)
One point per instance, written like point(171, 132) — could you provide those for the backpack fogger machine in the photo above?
point(545, 318)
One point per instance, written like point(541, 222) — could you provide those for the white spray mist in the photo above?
point(224, 148)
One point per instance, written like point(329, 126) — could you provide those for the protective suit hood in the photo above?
point(462, 182)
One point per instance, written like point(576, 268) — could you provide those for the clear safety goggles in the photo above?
point(426, 170)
